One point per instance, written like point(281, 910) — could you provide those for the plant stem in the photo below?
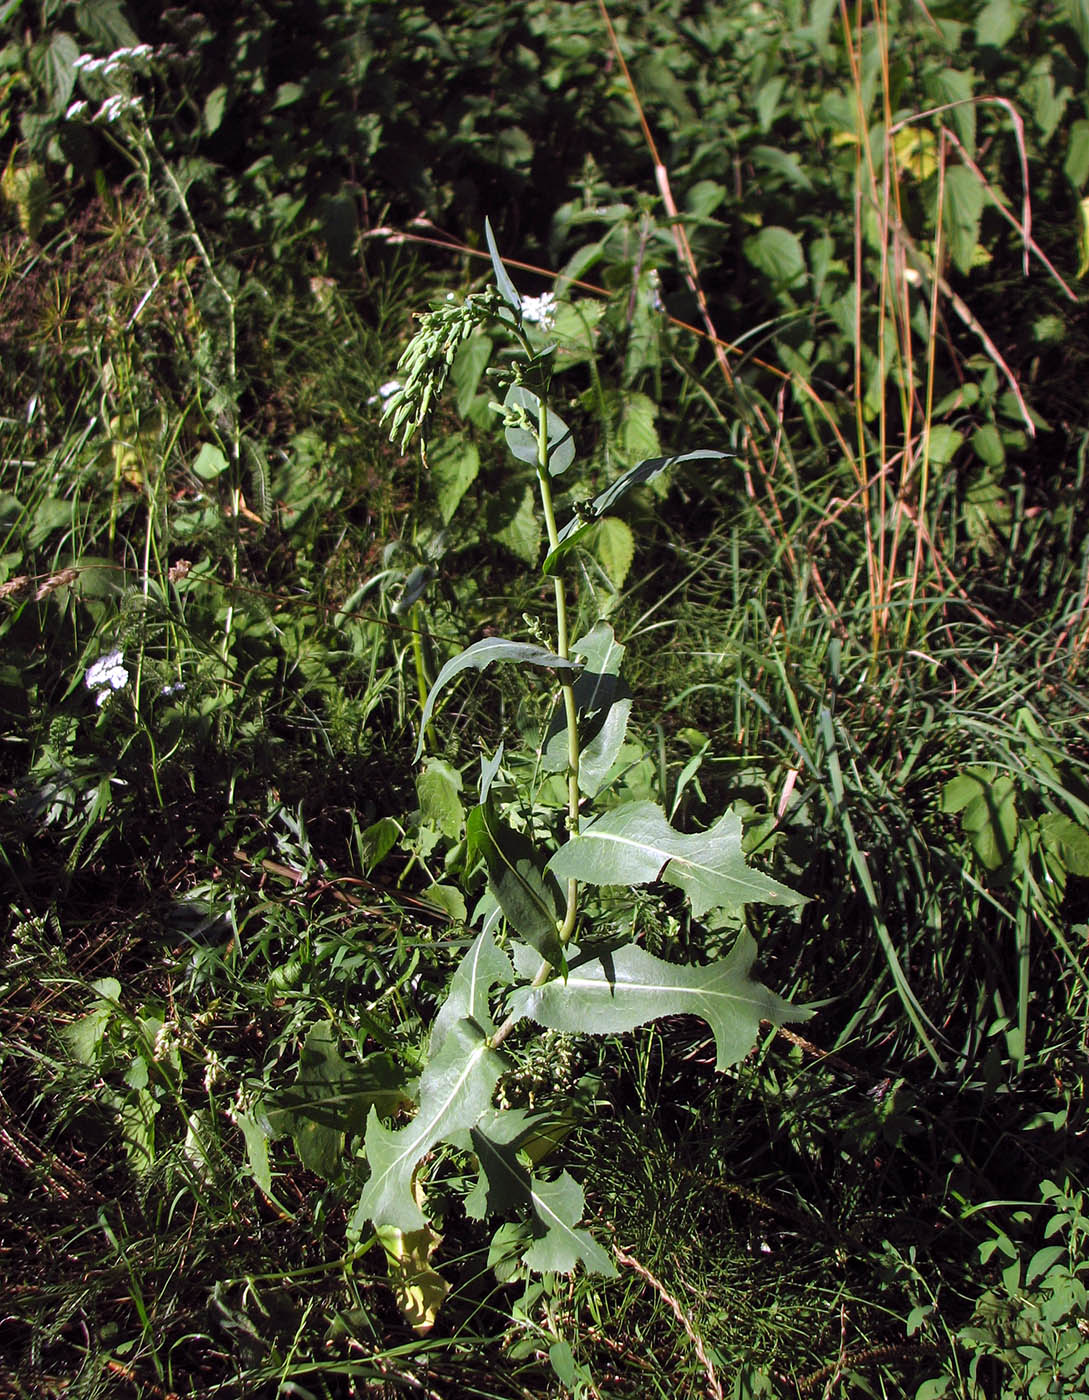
point(562, 649)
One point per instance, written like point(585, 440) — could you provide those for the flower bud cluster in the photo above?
point(550, 1068)
point(426, 362)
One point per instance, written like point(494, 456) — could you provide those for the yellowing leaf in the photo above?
point(418, 1289)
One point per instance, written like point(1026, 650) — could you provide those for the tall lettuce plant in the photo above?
point(536, 961)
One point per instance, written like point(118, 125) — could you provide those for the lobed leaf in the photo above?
point(483, 967)
point(617, 991)
point(455, 1090)
point(634, 844)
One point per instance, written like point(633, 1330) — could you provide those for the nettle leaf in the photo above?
point(483, 967)
point(627, 988)
point(482, 654)
point(502, 280)
point(603, 706)
point(578, 527)
point(437, 788)
point(531, 899)
point(523, 442)
point(506, 1184)
point(634, 844)
point(455, 1090)
point(330, 1097)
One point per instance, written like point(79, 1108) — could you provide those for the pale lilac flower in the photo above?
point(107, 674)
point(541, 311)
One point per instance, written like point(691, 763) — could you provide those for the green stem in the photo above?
point(562, 649)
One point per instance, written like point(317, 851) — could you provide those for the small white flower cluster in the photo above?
point(121, 61)
point(540, 311)
point(106, 675)
point(113, 107)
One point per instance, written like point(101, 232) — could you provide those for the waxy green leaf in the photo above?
point(531, 899)
point(506, 1184)
point(482, 654)
point(634, 844)
point(523, 442)
point(483, 967)
point(502, 280)
point(455, 1089)
point(627, 988)
point(583, 521)
point(603, 706)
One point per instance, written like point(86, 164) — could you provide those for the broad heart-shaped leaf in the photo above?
point(603, 706)
point(502, 280)
point(523, 442)
point(482, 654)
point(634, 844)
point(482, 968)
point(530, 898)
point(629, 987)
point(580, 524)
point(455, 1089)
point(505, 1184)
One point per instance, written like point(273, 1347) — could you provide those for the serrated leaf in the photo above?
point(964, 200)
point(256, 1151)
point(469, 365)
point(455, 1090)
point(560, 446)
point(53, 63)
point(483, 967)
point(482, 654)
point(634, 844)
point(437, 788)
point(455, 464)
point(531, 899)
point(505, 1184)
point(777, 253)
point(330, 1097)
point(603, 707)
point(513, 522)
point(502, 281)
point(614, 546)
point(627, 988)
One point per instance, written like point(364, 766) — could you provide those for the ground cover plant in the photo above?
point(832, 256)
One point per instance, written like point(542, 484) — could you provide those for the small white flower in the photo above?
point(175, 688)
point(107, 674)
point(86, 63)
point(385, 391)
point(117, 106)
point(541, 311)
point(76, 110)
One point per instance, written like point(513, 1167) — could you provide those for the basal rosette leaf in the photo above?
point(629, 987)
point(634, 844)
point(482, 654)
point(455, 1090)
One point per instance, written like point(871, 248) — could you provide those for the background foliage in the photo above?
point(230, 918)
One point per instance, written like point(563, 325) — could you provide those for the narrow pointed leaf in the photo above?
point(523, 442)
point(531, 898)
point(482, 654)
point(483, 967)
point(579, 526)
point(502, 280)
point(634, 844)
point(455, 1089)
point(629, 987)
